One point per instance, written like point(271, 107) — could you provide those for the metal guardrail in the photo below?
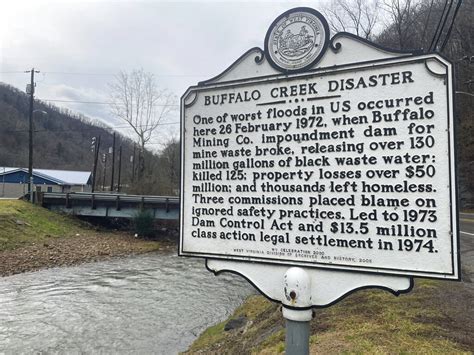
point(85, 196)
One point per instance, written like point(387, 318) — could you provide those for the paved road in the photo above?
point(467, 245)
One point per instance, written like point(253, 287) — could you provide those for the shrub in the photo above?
point(143, 223)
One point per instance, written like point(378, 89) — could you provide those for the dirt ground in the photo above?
point(91, 246)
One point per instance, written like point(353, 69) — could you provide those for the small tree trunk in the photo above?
point(141, 163)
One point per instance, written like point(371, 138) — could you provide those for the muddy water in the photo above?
point(145, 304)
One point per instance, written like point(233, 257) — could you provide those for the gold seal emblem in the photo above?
point(297, 39)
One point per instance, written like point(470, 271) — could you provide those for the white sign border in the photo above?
point(455, 246)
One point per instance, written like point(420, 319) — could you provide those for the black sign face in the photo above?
point(296, 40)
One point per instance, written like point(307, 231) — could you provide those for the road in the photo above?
point(466, 221)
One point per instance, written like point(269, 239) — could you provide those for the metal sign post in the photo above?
point(297, 310)
point(319, 166)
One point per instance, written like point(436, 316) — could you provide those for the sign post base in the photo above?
point(297, 290)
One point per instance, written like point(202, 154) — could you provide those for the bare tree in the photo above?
point(402, 24)
point(137, 100)
point(356, 16)
point(404, 18)
point(171, 158)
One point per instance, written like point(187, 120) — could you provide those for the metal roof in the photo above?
point(62, 177)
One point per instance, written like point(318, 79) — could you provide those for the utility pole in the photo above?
point(104, 159)
point(113, 166)
point(119, 168)
point(3, 187)
point(31, 91)
point(96, 148)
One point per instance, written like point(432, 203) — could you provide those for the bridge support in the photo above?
point(117, 203)
point(93, 205)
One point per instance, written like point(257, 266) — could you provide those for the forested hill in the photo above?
point(62, 139)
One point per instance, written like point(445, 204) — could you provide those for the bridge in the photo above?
point(110, 205)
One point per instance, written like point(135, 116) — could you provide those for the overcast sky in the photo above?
point(80, 45)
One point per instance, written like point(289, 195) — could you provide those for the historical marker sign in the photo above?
point(346, 167)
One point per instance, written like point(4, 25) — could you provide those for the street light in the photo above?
point(30, 155)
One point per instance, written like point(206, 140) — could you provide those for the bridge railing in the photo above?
point(87, 196)
point(84, 203)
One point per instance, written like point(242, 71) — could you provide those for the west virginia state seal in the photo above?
point(297, 39)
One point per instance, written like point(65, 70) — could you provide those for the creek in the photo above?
point(153, 303)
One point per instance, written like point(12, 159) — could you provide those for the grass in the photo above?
point(22, 223)
point(32, 238)
point(376, 322)
point(214, 336)
point(367, 322)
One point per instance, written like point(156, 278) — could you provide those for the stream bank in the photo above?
point(80, 248)
point(33, 238)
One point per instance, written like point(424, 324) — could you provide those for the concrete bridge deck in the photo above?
point(110, 205)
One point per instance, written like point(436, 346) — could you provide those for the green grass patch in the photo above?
point(216, 337)
point(253, 307)
point(212, 335)
point(274, 344)
point(22, 223)
point(366, 322)
point(376, 322)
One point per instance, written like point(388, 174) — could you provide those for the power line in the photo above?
point(97, 102)
point(114, 74)
point(464, 93)
point(80, 102)
point(448, 34)
point(86, 129)
point(438, 37)
point(104, 74)
point(78, 73)
point(438, 27)
point(468, 59)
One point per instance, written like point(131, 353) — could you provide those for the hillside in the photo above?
point(61, 140)
point(414, 30)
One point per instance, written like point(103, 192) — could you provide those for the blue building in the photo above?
point(14, 181)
